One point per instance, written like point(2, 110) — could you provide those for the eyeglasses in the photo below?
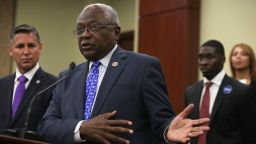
point(92, 29)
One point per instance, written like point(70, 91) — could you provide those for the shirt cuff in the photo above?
point(76, 137)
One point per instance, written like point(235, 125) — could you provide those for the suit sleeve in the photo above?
point(53, 127)
point(156, 99)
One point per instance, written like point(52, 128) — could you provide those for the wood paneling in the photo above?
point(7, 8)
point(170, 31)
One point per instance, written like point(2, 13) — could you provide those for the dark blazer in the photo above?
point(135, 88)
point(248, 116)
point(39, 81)
point(225, 116)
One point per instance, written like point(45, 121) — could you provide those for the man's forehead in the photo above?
point(207, 49)
point(24, 35)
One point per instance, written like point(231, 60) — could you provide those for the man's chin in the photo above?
point(27, 66)
point(206, 73)
point(89, 55)
point(209, 76)
point(90, 58)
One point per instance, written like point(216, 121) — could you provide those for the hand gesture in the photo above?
point(182, 129)
point(103, 130)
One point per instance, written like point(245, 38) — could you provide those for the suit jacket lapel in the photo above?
point(9, 95)
point(78, 97)
point(30, 91)
point(220, 96)
point(113, 71)
point(199, 89)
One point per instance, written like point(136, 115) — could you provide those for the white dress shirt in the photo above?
point(29, 75)
point(216, 82)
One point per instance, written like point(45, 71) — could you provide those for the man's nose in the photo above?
point(86, 33)
point(204, 61)
point(26, 50)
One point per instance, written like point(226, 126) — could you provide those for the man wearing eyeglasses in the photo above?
point(116, 96)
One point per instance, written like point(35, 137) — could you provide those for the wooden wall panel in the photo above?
point(171, 33)
point(150, 6)
point(7, 9)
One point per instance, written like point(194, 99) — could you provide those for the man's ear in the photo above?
point(224, 59)
point(117, 32)
point(40, 47)
point(10, 51)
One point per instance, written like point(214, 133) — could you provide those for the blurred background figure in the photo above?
point(216, 96)
point(242, 63)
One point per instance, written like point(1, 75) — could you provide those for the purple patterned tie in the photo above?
point(91, 88)
point(18, 94)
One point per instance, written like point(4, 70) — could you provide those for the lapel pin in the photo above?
point(114, 64)
point(227, 89)
point(37, 81)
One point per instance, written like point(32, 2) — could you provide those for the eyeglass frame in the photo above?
point(93, 29)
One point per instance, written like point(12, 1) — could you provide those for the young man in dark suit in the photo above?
point(116, 96)
point(217, 96)
point(15, 95)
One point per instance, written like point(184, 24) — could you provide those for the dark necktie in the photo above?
point(20, 90)
point(204, 110)
point(91, 89)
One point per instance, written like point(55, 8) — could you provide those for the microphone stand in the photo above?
point(28, 115)
point(25, 131)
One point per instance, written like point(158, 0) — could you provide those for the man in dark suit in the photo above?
point(24, 47)
point(116, 96)
point(224, 99)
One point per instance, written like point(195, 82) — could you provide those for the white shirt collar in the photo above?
point(29, 75)
point(105, 60)
point(217, 79)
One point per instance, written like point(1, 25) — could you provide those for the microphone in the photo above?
point(72, 65)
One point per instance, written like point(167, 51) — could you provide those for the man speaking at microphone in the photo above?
point(117, 96)
point(17, 90)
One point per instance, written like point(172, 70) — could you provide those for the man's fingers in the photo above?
point(186, 111)
point(120, 140)
point(118, 122)
point(108, 134)
point(195, 134)
point(200, 128)
point(107, 115)
point(118, 130)
point(111, 122)
point(114, 126)
point(202, 121)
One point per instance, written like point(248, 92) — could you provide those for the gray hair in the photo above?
point(108, 11)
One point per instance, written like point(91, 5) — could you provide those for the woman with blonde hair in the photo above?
point(242, 63)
